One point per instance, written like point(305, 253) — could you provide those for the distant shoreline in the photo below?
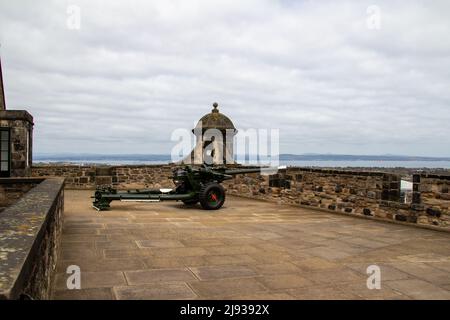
point(355, 164)
point(44, 157)
point(304, 160)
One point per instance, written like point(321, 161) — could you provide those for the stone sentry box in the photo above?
point(16, 133)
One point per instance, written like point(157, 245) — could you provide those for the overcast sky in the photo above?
point(324, 73)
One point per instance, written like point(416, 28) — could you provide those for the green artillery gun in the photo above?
point(192, 185)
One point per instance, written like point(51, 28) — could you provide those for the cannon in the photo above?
point(192, 185)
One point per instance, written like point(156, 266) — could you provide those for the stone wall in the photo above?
point(30, 231)
point(77, 177)
point(362, 193)
point(431, 195)
point(346, 191)
point(88, 177)
point(372, 194)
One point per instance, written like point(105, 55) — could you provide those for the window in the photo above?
point(4, 152)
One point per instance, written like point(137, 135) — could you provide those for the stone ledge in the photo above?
point(27, 257)
point(12, 189)
point(16, 115)
point(21, 180)
point(42, 165)
point(340, 172)
point(435, 176)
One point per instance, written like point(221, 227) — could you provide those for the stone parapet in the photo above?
point(30, 231)
point(432, 192)
point(364, 193)
point(371, 194)
point(91, 176)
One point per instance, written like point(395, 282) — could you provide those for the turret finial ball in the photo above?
point(215, 104)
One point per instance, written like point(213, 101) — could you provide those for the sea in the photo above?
point(162, 159)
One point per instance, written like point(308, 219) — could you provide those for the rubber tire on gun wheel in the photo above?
point(212, 196)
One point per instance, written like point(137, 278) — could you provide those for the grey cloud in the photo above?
point(137, 70)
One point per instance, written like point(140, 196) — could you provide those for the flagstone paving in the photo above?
point(247, 250)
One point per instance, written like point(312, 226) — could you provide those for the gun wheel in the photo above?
point(212, 196)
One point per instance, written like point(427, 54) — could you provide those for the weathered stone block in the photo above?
point(84, 180)
point(433, 212)
point(445, 196)
point(103, 180)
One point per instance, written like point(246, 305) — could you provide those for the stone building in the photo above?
point(214, 134)
point(16, 136)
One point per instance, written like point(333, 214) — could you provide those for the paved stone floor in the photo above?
point(247, 250)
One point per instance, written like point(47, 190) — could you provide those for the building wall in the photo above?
point(21, 131)
point(2, 90)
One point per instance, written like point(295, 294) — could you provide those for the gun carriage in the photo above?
point(192, 185)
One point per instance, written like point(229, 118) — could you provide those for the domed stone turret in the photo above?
point(215, 120)
point(215, 134)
